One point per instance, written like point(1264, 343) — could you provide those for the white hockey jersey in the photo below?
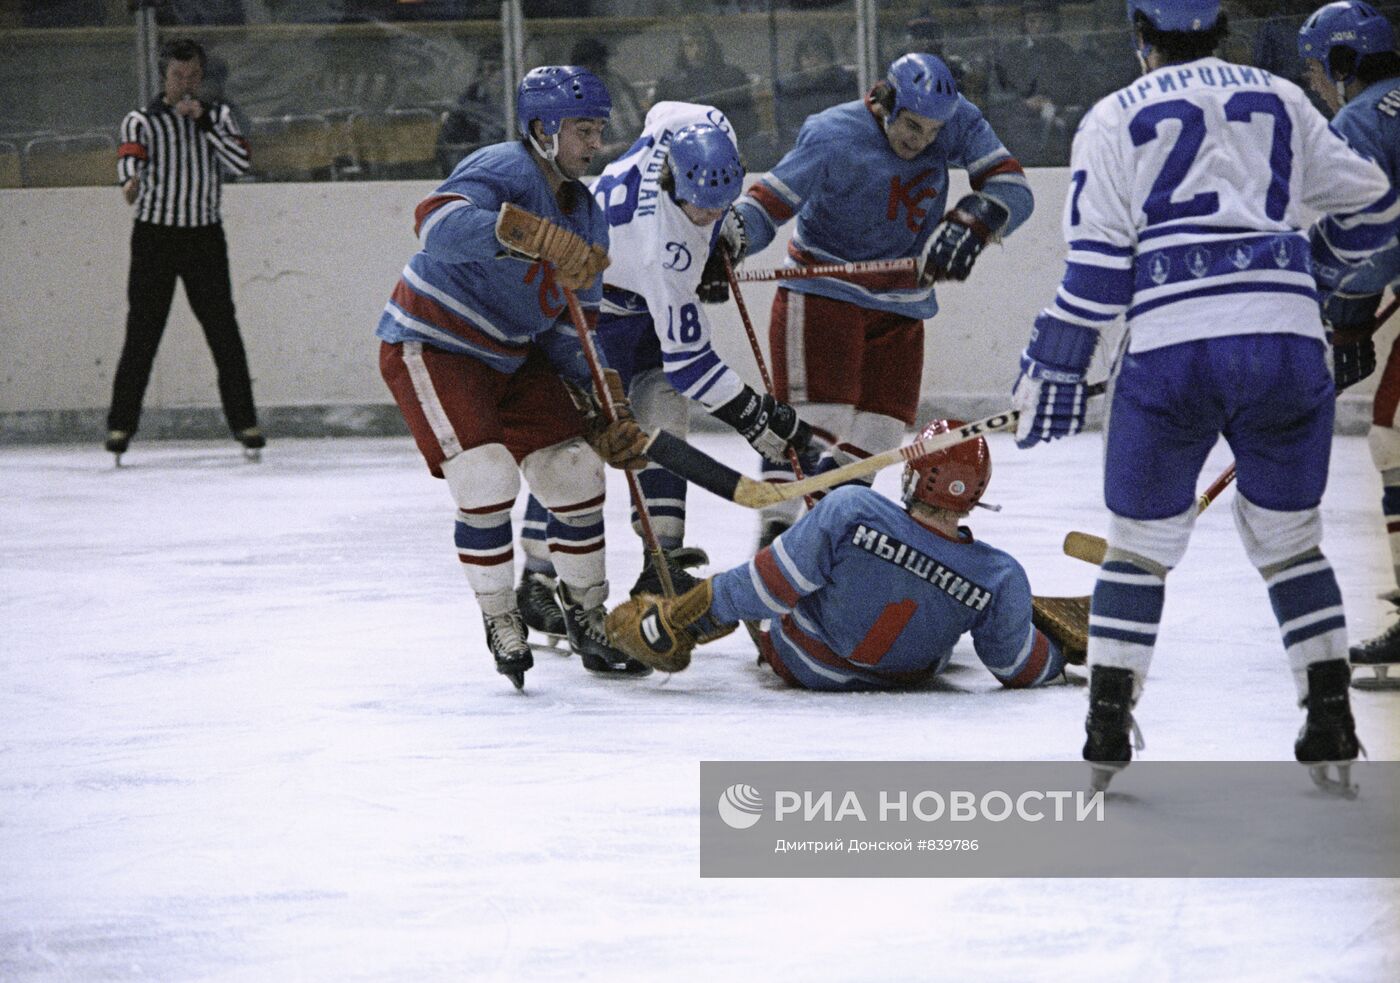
point(1188, 190)
point(658, 255)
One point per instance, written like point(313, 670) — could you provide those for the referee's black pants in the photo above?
point(198, 256)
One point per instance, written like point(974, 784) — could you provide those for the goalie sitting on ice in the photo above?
point(863, 595)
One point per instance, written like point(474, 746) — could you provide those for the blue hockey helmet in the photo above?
point(923, 84)
point(952, 479)
point(1346, 24)
point(706, 166)
point(554, 93)
point(1177, 15)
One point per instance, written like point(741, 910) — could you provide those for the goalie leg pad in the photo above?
point(661, 632)
point(1065, 621)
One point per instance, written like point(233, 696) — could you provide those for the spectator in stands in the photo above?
point(478, 118)
point(625, 124)
point(1106, 61)
point(1036, 89)
point(702, 75)
point(817, 82)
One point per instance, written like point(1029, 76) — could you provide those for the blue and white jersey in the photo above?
point(862, 596)
point(1370, 123)
point(1188, 191)
point(856, 199)
point(658, 255)
point(462, 292)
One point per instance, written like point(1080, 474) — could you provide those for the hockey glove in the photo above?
point(1065, 621)
point(714, 282)
point(769, 425)
point(661, 632)
point(732, 234)
point(576, 261)
point(1353, 356)
point(619, 442)
point(1050, 392)
point(960, 238)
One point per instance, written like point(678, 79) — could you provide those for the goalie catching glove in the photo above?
point(619, 441)
point(577, 261)
point(1065, 621)
point(769, 425)
point(960, 238)
point(661, 632)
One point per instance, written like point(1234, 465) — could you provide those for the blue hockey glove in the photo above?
point(1050, 392)
point(959, 239)
point(1353, 356)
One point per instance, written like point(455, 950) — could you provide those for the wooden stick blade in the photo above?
point(1085, 546)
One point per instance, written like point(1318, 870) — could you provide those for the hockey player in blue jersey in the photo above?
point(1187, 193)
point(869, 180)
point(861, 594)
point(665, 201)
point(1349, 51)
point(480, 355)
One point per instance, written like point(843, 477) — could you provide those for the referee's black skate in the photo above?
point(583, 619)
point(505, 637)
point(253, 442)
point(117, 443)
point(1112, 733)
point(1379, 655)
point(540, 608)
point(678, 562)
point(1327, 744)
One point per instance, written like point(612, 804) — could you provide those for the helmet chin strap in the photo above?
point(551, 154)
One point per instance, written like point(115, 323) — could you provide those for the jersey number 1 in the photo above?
point(1242, 107)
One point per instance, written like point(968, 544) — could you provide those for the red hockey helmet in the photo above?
point(952, 479)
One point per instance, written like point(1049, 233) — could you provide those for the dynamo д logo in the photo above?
point(740, 806)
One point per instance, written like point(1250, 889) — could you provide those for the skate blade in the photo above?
point(552, 645)
point(1101, 773)
point(1338, 784)
point(118, 462)
point(253, 455)
point(1379, 680)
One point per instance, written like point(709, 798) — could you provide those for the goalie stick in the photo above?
point(697, 467)
point(907, 264)
point(1090, 548)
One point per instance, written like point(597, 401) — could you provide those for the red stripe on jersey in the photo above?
point(880, 638)
point(495, 559)
point(132, 150)
point(1008, 166)
point(771, 202)
point(774, 660)
point(1392, 527)
point(429, 205)
point(426, 309)
point(896, 280)
point(822, 653)
point(768, 571)
point(1035, 663)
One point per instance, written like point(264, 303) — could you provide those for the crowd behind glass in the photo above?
point(354, 89)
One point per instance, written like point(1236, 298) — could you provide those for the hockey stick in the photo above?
point(697, 467)
point(600, 387)
point(907, 264)
point(1090, 548)
point(738, 296)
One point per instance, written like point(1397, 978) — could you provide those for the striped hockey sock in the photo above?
point(1308, 605)
point(1390, 505)
point(1124, 615)
point(533, 533)
point(664, 494)
point(486, 548)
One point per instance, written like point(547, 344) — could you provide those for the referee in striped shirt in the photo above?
point(169, 165)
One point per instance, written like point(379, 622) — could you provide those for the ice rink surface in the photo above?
point(249, 730)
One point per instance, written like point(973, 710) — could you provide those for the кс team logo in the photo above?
point(740, 806)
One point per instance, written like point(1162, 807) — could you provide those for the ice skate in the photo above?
point(678, 560)
point(1379, 655)
point(1112, 733)
point(117, 443)
point(583, 619)
point(253, 442)
point(1327, 744)
point(505, 637)
point(540, 609)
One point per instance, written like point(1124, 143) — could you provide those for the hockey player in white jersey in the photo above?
point(1188, 190)
point(667, 201)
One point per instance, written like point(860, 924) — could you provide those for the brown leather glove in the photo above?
point(576, 260)
point(620, 443)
